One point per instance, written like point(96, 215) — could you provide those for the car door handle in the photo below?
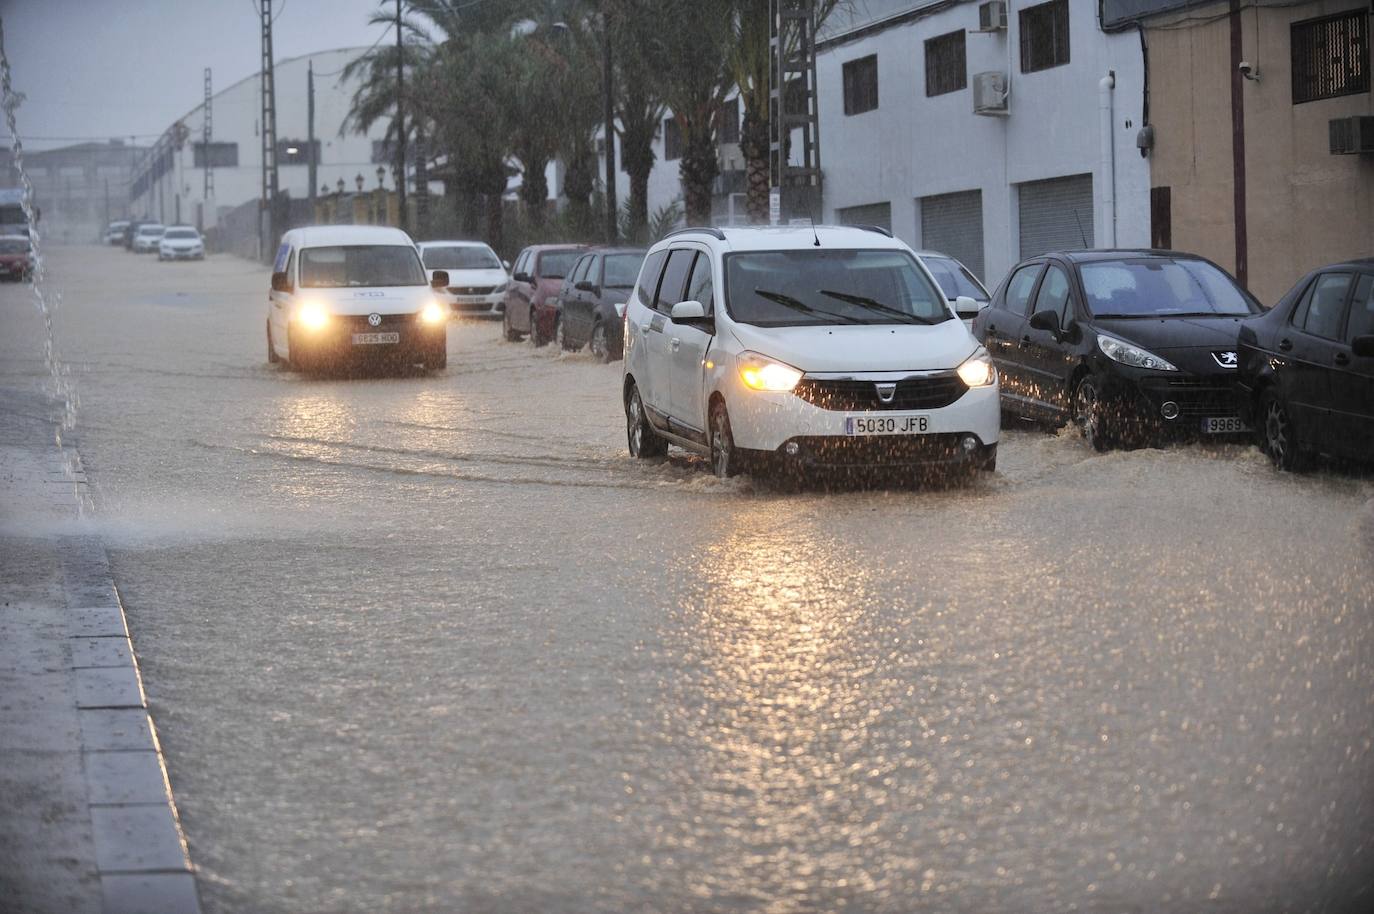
point(992, 329)
point(1025, 340)
point(675, 343)
point(1285, 345)
point(1342, 359)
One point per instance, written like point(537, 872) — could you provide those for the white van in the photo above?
point(342, 293)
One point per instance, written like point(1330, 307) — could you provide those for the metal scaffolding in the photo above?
point(207, 132)
point(267, 223)
point(794, 123)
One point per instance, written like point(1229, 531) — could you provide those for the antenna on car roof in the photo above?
point(814, 233)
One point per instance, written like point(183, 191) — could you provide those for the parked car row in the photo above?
point(169, 242)
point(16, 257)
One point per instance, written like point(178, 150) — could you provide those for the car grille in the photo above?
point(472, 290)
point(471, 306)
point(357, 323)
point(851, 395)
point(1196, 397)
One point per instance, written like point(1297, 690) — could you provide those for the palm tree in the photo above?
point(634, 32)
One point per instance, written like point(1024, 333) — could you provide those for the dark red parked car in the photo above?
point(532, 300)
point(16, 256)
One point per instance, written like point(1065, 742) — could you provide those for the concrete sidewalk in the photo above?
point(87, 822)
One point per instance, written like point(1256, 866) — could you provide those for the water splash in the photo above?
point(60, 382)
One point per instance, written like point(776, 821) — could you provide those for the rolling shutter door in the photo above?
point(953, 224)
point(879, 214)
point(1056, 215)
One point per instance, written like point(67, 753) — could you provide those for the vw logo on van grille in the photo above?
point(886, 392)
point(374, 319)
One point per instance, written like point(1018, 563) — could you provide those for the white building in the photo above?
point(169, 182)
point(1042, 167)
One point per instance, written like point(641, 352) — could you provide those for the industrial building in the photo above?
point(79, 189)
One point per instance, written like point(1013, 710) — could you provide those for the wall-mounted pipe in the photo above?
point(1106, 87)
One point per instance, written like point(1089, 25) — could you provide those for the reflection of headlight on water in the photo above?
point(433, 313)
point(312, 315)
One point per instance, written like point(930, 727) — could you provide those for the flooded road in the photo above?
point(437, 643)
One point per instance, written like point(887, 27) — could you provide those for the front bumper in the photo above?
point(766, 421)
point(182, 253)
point(489, 305)
point(1176, 404)
point(334, 344)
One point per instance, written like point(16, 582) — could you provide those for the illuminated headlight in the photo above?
point(433, 313)
point(762, 373)
point(978, 370)
point(312, 315)
point(1123, 352)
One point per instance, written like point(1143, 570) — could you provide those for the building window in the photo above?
point(296, 152)
point(861, 85)
point(946, 70)
point(672, 139)
point(1330, 56)
point(728, 129)
point(1045, 36)
point(222, 155)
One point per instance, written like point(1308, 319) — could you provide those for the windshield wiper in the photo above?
point(863, 301)
point(788, 301)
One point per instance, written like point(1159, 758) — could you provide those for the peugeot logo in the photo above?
point(374, 319)
point(886, 392)
point(1226, 359)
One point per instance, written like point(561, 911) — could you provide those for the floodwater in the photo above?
point(437, 643)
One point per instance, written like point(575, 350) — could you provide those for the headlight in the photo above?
point(1123, 352)
point(762, 373)
point(433, 313)
point(978, 370)
point(551, 301)
point(503, 287)
point(312, 315)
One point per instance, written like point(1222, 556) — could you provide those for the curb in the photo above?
point(140, 849)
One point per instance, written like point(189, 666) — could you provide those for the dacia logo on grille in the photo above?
point(886, 392)
point(1227, 359)
point(374, 319)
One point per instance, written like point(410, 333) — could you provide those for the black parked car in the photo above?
point(1129, 345)
point(592, 301)
point(1307, 368)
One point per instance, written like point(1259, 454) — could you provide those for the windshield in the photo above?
point(555, 264)
point(181, 233)
point(955, 279)
point(621, 270)
point(809, 287)
point(455, 257)
point(361, 265)
point(14, 246)
point(151, 230)
point(1161, 287)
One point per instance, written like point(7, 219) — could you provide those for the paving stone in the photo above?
point(115, 728)
point(150, 893)
point(96, 622)
point(136, 838)
point(101, 652)
point(108, 688)
point(125, 777)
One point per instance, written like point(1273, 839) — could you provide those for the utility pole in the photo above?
point(608, 99)
point(267, 216)
point(310, 129)
point(400, 121)
point(207, 131)
point(793, 105)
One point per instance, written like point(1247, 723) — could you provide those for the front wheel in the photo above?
point(511, 334)
point(1278, 438)
point(272, 357)
point(600, 344)
point(536, 339)
point(644, 442)
point(1090, 416)
point(560, 335)
point(725, 461)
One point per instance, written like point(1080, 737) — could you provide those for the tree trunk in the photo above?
point(637, 155)
point(492, 184)
point(753, 144)
point(698, 170)
point(578, 184)
point(534, 190)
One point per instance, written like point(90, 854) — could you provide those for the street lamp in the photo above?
point(324, 189)
point(381, 175)
point(341, 185)
point(359, 181)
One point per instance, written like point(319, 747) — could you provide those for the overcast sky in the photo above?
point(96, 69)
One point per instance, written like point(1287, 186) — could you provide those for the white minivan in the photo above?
point(824, 347)
point(344, 293)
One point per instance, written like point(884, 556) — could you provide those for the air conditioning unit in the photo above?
point(992, 16)
point(990, 93)
point(1352, 135)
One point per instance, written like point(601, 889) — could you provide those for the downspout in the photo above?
point(1107, 153)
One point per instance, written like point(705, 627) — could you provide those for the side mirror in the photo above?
point(1363, 347)
point(585, 285)
point(280, 283)
point(1045, 320)
point(522, 277)
point(685, 312)
point(506, 264)
point(438, 279)
point(966, 306)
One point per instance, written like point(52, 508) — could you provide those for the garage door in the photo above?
point(1056, 215)
point(879, 214)
point(953, 224)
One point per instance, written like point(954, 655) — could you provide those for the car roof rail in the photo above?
point(703, 229)
point(873, 228)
